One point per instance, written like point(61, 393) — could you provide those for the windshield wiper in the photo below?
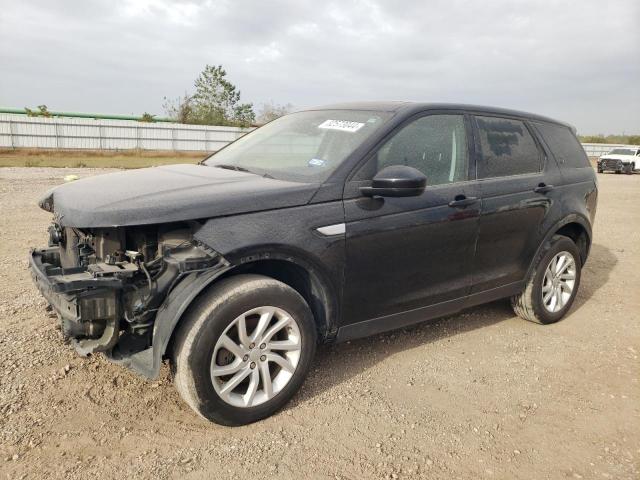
point(241, 169)
point(233, 167)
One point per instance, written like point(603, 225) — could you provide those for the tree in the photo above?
point(624, 139)
point(243, 115)
point(271, 111)
point(41, 112)
point(147, 117)
point(216, 101)
point(179, 109)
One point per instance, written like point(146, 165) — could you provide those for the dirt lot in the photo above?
point(94, 159)
point(482, 394)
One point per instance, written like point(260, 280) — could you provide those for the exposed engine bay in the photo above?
point(129, 251)
point(107, 284)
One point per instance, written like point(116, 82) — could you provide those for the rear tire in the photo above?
point(534, 303)
point(256, 305)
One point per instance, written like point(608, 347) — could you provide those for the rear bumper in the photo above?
point(87, 304)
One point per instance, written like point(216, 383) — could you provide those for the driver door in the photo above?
point(407, 253)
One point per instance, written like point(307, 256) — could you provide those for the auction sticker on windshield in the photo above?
point(342, 125)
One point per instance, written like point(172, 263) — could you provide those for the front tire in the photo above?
point(243, 349)
point(553, 284)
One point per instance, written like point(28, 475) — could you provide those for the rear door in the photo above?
point(516, 186)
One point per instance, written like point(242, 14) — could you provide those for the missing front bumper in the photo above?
point(86, 301)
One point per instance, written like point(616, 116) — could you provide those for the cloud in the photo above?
point(180, 13)
point(574, 60)
point(268, 53)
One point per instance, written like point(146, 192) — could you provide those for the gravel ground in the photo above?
point(482, 394)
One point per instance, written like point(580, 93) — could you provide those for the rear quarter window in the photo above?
point(507, 148)
point(564, 145)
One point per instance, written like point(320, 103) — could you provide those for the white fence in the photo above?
point(598, 149)
point(21, 131)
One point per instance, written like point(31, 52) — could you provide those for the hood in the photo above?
point(624, 158)
point(169, 194)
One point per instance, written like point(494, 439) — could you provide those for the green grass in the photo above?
point(94, 159)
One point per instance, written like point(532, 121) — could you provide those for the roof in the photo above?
point(380, 106)
point(396, 106)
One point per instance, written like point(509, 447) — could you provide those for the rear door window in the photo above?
point(506, 147)
point(564, 145)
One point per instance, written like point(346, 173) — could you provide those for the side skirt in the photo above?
point(422, 314)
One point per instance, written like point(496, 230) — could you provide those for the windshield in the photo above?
point(304, 146)
point(622, 151)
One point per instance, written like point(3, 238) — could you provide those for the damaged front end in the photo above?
point(107, 284)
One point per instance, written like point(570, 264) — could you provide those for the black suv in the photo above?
point(324, 225)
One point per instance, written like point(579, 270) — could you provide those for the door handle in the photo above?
point(543, 188)
point(462, 201)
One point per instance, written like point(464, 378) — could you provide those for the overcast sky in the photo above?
point(578, 61)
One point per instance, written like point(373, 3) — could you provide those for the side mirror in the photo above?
point(396, 181)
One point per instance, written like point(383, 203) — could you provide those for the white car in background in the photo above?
point(620, 159)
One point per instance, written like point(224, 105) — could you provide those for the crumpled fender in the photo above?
point(148, 362)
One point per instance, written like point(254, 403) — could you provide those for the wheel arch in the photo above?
point(574, 226)
point(301, 275)
point(295, 271)
point(577, 232)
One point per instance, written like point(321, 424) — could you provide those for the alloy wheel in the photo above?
point(256, 356)
point(558, 282)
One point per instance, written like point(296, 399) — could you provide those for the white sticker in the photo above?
point(316, 162)
point(342, 125)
